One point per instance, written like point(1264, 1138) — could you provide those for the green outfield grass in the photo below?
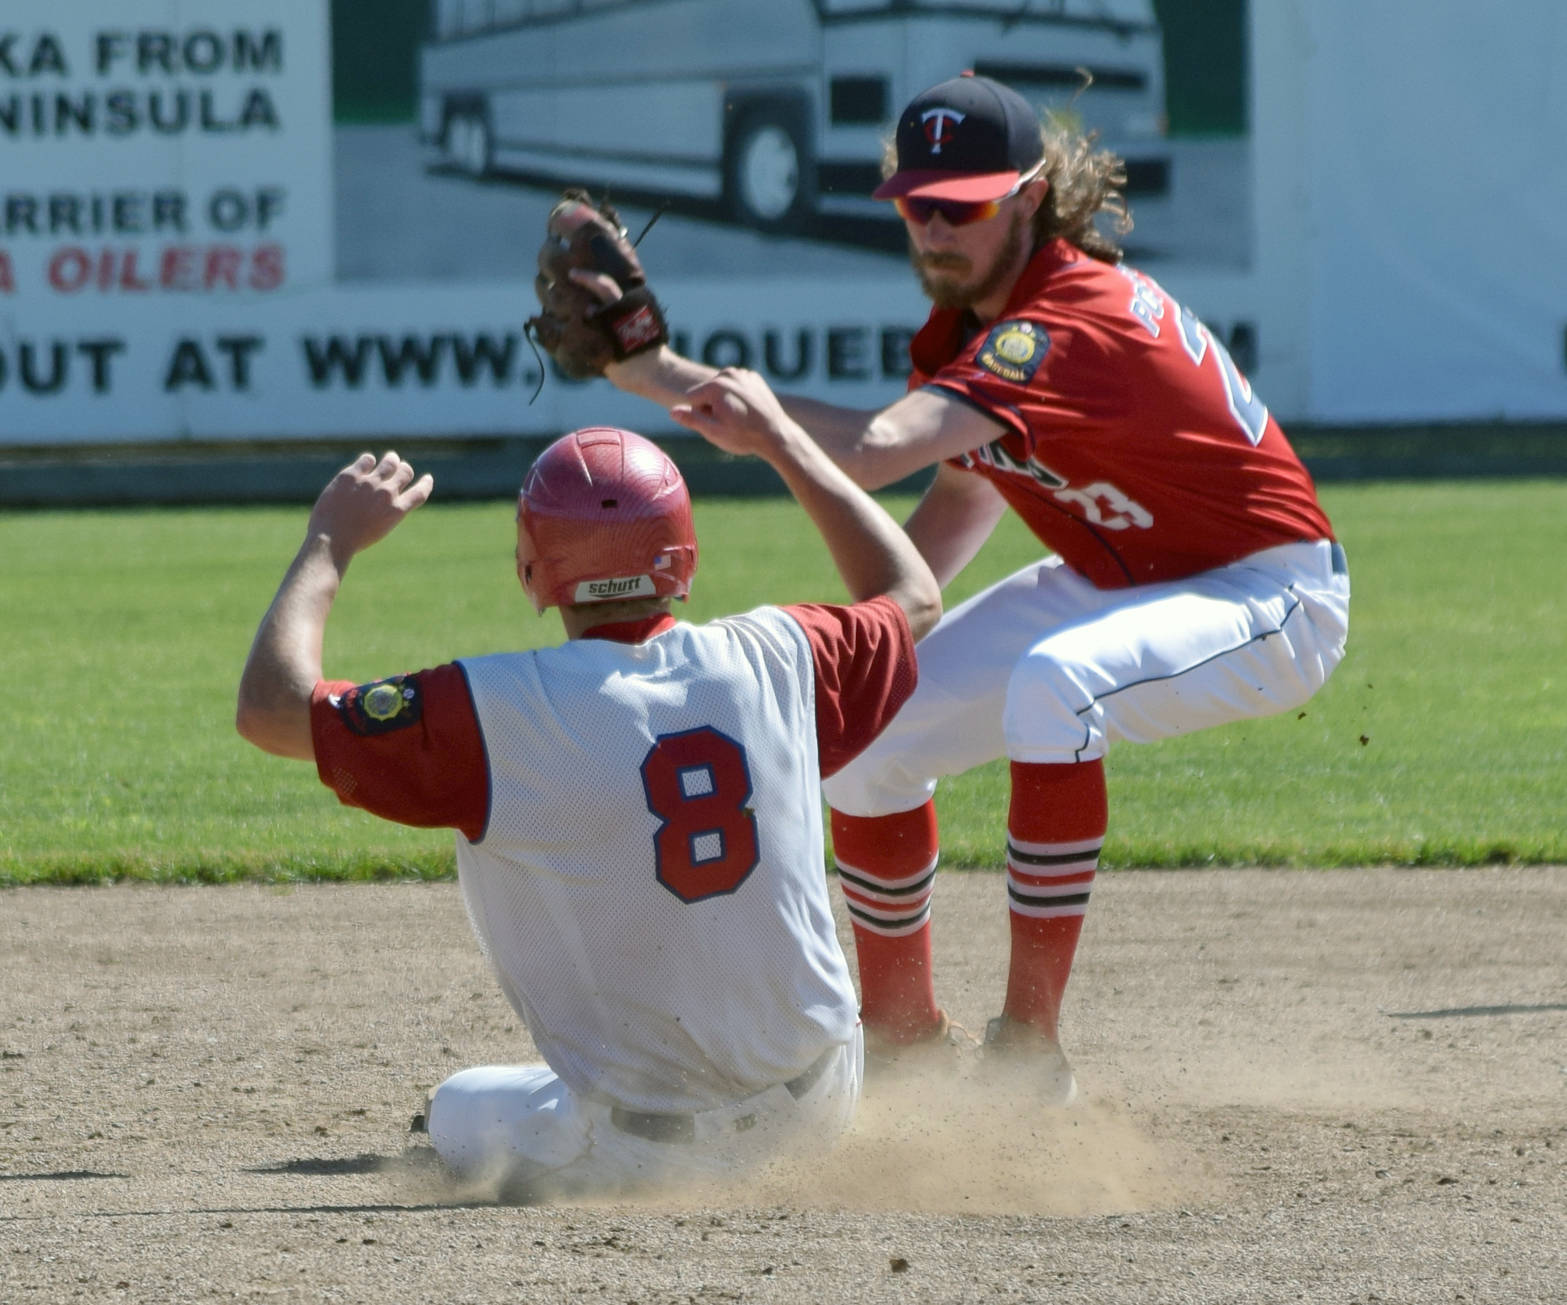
point(1441, 740)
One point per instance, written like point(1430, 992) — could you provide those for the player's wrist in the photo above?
point(793, 454)
point(638, 374)
point(323, 547)
point(788, 442)
point(659, 374)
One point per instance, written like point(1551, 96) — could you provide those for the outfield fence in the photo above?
point(485, 468)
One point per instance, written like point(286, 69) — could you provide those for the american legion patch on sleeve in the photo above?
point(1014, 350)
point(381, 707)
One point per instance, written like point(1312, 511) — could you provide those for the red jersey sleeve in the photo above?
point(407, 749)
point(865, 671)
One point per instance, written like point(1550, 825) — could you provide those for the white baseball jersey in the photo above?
point(640, 838)
point(665, 791)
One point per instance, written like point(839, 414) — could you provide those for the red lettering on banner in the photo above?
point(266, 267)
point(179, 268)
point(69, 269)
point(128, 278)
point(7, 280)
point(222, 266)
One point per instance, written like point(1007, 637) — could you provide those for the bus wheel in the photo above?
point(767, 170)
point(454, 138)
point(475, 156)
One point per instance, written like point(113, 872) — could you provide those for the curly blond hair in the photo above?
point(1084, 182)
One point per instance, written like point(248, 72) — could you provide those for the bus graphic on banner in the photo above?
point(775, 110)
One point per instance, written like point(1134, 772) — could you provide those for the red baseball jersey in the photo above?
point(1135, 448)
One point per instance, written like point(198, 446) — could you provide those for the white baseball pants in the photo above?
point(1044, 667)
point(523, 1129)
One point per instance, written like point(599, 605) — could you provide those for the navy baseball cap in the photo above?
point(969, 138)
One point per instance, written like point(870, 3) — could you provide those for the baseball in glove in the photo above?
point(596, 307)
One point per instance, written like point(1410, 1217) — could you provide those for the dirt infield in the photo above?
point(1345, 1086)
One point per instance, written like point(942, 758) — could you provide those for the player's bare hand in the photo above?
point(736, 412)
point(365, 501)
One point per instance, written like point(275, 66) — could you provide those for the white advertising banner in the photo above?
point(442, 361)
point(162, 165)
point(194, 245)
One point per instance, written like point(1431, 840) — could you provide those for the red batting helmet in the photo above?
point(604, 514)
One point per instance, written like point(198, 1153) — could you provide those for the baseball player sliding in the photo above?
point(638, 811)
point(1194, 579)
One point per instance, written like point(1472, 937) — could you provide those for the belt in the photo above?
point(1340, 562)
point(655, 1127)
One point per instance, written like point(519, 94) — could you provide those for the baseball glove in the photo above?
point(604, 314)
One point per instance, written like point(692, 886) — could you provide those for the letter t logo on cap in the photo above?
point(939, 124)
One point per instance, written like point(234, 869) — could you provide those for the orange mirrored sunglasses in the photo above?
point(959, 212)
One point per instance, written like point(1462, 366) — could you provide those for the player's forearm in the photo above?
point(953, 520)
point(285, 658)
point(660, 375)
point(872, 554)
point(851, 438)
point(922, 429)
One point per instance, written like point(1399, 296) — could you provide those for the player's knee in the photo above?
point(876, 783)
point(449, 1121)
point(493, 1118)
point(1051, 710)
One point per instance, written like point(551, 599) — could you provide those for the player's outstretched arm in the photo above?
point(362, 504)
point(665, 377)
point(876, 448)
point(737, 412)
point(599, 316)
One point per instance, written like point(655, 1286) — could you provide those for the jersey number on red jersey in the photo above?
point(1148, 306)
point(1250, 413)
point(699, 786)
point(1100, 503)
